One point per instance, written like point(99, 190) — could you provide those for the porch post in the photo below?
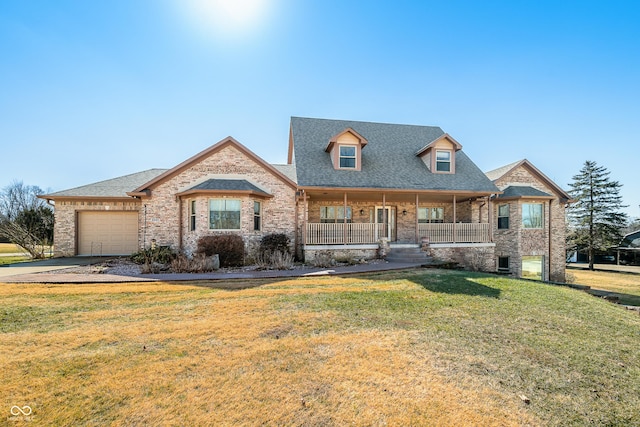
point(490, 215)
point(305, 209)
point(417, 204)
point(384, 214)
point(344, 227)
point(454, 218)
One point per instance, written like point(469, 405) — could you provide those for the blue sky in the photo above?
point(91, 90)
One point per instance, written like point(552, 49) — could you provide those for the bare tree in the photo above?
point(25, 219)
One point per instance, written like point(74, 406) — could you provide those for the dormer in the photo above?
point(440, 154)
point(345, 149)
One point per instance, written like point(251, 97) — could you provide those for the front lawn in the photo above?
point(625, 284)
point(422, 347)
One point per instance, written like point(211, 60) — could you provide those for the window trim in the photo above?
point(504, 217)
point(524, 226)
point(257, 216)
point(239, 212)
point(354, 157)
point(448, 162)
point(192, 215)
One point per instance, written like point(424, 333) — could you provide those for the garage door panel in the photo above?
point(107, 233)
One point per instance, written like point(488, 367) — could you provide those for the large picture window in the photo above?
point(224, 214)
point(430, 215)
point(532, 215)
point(503, 217)
point(330, 214)
point(347, 156)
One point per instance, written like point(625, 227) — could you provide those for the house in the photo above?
point(628, 251)
point(347, 187)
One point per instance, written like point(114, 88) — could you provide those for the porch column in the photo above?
point(454, 218)
point(305, 210)
point(490, 214)
point(417, 204)
point(344, 227)
point(384, 214)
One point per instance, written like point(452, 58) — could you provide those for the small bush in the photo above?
point(200, 263)
point(276, 242)
point(230, 248)
point(274, 260)
point(159, 255)
point(323, 259)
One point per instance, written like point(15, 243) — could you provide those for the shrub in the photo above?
point(230, 248)
point(323, 259)
point(274, 260)
point(276, 242)
point(158, 255)
point(200, 263)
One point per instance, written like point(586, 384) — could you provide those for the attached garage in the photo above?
point(107, 233)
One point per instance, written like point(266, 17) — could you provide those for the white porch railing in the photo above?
point(350, 234)
point(455, 233)
point(341, 233)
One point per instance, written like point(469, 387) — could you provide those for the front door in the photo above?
point(390, 220)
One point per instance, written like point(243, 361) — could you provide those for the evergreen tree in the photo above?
point(595, 215)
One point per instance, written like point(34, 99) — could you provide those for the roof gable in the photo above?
point(334, 139)
point(444, 137)
point(143, 189)
point(501, 172)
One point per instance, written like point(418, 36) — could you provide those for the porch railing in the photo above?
point(349, 234)
point(455, 233)
point(341, 233)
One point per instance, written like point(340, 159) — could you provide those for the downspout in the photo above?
point(180, 223)
point(417, 224)
point(550, 247)
point(144, 232)
point(384, 215)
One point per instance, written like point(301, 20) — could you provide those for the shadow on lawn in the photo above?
point(459, 286)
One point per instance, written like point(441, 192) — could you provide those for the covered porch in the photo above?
point(364, 217)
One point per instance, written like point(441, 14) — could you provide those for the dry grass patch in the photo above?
point(418, 348)
point(626, 284)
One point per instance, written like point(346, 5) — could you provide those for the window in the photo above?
point(430, 215)
point(257, 211)
point(532, 215)
point(503, 217)
point(330, 214)
point(503, 263)
point(443, 161)
point(224, 214)
point(347, 156)
point(532, 267)
point(192, 215)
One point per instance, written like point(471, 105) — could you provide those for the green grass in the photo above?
point(422, 347)
point(626, 285)
point(5, 260)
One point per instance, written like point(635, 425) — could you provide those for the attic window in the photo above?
point(347, 157)
point(443, 161)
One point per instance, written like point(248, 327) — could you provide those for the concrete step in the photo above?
point(409, 255)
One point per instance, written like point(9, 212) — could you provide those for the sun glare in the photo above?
point(227, 19)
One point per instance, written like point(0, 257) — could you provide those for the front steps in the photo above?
point(410, 255)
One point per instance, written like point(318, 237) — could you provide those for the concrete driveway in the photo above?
point(51, 264)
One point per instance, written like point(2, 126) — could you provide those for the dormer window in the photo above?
point(347, 157)
point(439, 156)
point(345, 150)
point(443, 161)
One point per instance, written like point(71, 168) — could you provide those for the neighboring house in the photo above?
point(629, 249)
point(347, 187)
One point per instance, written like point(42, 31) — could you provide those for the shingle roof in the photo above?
point(498, 173)
point(116, 187)
point(288, 170)
point(228, 185)
point(388, 161)
point(522, 191)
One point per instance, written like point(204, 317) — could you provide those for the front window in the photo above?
point(257, 216)
point(430, 215)
point(443, 161)
point(532, 215)
point(192, 215)
point(503, 217)
point(224, 214)
point(347, 156)
point(329, 214)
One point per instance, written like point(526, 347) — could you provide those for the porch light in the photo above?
point(404, 212)
point(361, 212)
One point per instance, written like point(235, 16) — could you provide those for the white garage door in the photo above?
point(107, 233)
